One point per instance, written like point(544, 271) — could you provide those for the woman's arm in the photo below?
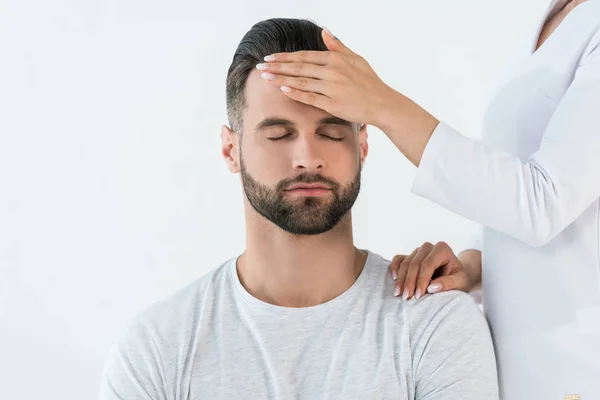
point(471, 261)
point(532, 201)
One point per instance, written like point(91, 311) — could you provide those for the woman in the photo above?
point(533, 184)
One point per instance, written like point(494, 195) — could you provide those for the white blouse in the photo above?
point(533, 183)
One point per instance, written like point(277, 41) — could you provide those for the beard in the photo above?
point(303, 215)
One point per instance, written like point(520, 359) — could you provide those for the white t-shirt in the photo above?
point(213, 340)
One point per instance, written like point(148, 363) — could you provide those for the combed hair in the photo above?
point(277, 35)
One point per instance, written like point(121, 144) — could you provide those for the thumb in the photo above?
point(443, 284)
point(333, 43)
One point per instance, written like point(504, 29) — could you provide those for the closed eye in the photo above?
point(275, 139)
point(335, 139)
point(287, 135)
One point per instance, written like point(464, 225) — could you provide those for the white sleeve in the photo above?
point(532, 201)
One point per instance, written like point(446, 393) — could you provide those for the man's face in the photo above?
point(300, 166)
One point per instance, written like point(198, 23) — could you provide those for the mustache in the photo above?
point(306, 177)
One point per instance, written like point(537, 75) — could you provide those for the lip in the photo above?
point(307, 192)
point(308, 186)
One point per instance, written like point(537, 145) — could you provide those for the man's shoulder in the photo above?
point(448, 301)
point(181, 308)
point(430, 306)
point(452, 348)
point(444, 304)
point(447, 311)
point(378, 266)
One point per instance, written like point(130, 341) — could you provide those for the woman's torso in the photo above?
point(543, 304)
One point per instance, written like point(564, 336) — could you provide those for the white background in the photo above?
point(113, 193)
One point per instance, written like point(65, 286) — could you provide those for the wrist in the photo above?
point(388, 108)
point(471, 262)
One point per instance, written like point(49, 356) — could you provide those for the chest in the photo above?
point(555, 20)
point(530, 93)
point(307, 359)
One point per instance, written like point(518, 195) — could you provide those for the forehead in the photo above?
point(267, 100)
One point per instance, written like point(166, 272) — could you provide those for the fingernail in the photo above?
point(434, 288)
point(286, 89)
point(405, 294)
point(268, 76)
point(262, 67)
point(397, 291)
point(418, 294)
point(394, 274)
point(328, 32)
point(269, 58)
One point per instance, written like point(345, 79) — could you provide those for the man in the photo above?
point(302, 313)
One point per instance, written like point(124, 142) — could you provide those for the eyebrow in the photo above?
point(269, 122)
point(336, 121)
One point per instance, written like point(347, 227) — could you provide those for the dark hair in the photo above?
point(277, 35)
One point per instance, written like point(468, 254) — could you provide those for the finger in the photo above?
point(303, 56)
point(440, 256)
point(458, 277)
point(443, 284)
point(402, 270)
point(333, 43)
point(303, 84)
point(410, 281)
point(395, 265)
point(310, 98)
point(306, 70)
point(424, 279)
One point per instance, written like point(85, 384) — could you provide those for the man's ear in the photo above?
point(230, 149)
point(363, 142)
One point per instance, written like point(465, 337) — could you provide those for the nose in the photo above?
point(307, 157)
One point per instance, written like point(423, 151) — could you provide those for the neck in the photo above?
point(298, 271)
